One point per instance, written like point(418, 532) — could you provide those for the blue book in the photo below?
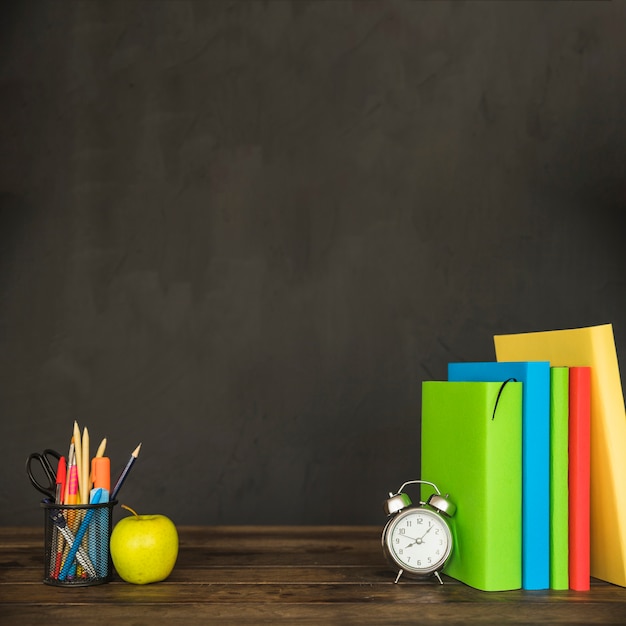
point(535, 379)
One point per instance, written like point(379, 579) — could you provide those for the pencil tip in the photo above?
point(136, 451)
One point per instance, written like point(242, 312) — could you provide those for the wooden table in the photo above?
point(265, 575)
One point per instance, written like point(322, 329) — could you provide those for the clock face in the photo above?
point(418, 541)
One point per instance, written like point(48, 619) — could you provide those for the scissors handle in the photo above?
point(49, 472)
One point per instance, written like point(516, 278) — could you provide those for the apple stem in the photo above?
point(129, 509)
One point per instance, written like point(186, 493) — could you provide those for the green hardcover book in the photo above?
point(559, 466)
point(472, 450)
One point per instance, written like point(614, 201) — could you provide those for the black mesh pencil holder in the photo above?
point(77, 544)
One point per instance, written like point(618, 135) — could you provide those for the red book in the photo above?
point(578, 477)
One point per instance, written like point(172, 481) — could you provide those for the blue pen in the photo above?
point(79, 536)
point(81, 556)
point(98, 544)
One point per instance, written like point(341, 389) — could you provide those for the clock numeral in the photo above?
point(401, 531)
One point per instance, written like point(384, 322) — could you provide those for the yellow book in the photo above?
point(594, 347)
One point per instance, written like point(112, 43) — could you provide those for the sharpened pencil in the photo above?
point(125, 472)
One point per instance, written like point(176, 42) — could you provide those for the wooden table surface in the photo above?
point(267, 575)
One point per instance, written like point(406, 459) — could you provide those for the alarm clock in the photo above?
point(416, 539)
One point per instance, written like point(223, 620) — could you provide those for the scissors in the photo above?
point(48, 486)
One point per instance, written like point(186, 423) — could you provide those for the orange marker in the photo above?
point(101, 473)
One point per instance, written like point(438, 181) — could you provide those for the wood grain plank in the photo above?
point(289, 592)
point(258, 575)
point(387, 613)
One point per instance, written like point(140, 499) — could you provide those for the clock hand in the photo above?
point(414, 540)
point(417, 540)
point(424, 535)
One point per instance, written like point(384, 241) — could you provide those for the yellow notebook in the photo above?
point(594, 347)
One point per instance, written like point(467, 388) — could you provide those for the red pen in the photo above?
point(61, 474)
point(59, 497)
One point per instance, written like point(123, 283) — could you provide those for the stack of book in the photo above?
point(532, 449)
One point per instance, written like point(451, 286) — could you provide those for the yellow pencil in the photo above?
point(85, 486)
point(79, 461)
point(101, 448)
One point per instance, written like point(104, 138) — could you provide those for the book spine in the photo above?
point(579, 477)
point(536, 481)
point(559, 500)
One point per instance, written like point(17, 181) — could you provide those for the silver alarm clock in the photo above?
point(417, 539)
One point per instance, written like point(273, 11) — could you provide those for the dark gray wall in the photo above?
point(243, 233)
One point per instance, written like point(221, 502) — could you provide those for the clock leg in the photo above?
point(398, 576)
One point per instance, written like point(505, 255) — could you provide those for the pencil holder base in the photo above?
point(76, 544)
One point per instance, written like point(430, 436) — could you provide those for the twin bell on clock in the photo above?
point(417, 539)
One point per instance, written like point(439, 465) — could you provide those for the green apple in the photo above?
point(144, 548)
